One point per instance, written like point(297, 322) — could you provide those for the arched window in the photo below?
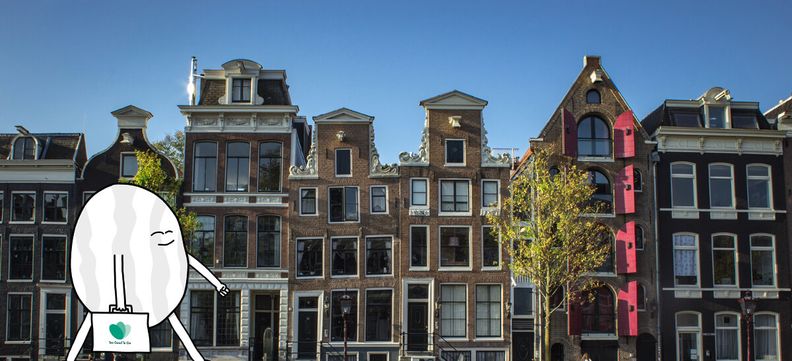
point(602, 199)
point(637, 180)
point(639, 237)
point(688, 332)
point(557, 352)
point(641, 297)
point(599, 314)
point(24, 148)
point(594, 137)
point(593, 97)
point(607, 238)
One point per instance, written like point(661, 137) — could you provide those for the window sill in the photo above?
point(489, 210)
point(344, 222)
point(309, 277)
point(19, 281)
point(455, 214)
point(487, 338)
point(453, 269)
point(589, 158)
point(491, 269)
point(17, 342)
point(723, 213)
point(378, 213)
point(22, 222)
point(418, 269)
point(309, 215)
point(336, 277)
point(727, 292)
point(54, 223)
point(384, 275)
point(343, 176)
point(693, 293)
point(766, 214)
point(454, 165)
point(684, 213)
point(52, 281)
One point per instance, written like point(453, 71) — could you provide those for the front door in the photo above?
point(600, 350)
point(646, 347)
point(265, 317)
point(522, 346)
point(307, 323)
point(688, 346)
point(417, 326)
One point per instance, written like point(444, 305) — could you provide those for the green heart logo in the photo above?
point(120, 330)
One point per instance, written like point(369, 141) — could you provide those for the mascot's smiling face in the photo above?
point(134, 222)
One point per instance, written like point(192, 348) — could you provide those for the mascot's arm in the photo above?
point(206, 273)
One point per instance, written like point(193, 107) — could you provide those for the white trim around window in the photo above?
point(733, 250)
point(7, 325)
point(687, 330)
point(44, 312)
point(297, 257)
point(730, 178)
point(44, 207)
point(440, 211)
point(365, 320)
point(316, 202)
point(467, 309)
point(357, 257)
point(464, 153)
point(2, 206)
point(87, 194)
point(387, 354)
point(427, 193)
point(775, 327)
point(485, 228)
point(428, 248)
point(295, 316)
point(11, 208)
point(696, 258)
point(440, 266)
point(500, 312)
point(371, 199)
point(497, 194)
point(121, 165)
point(768, 178)
point(32, 238)
point(343, 202)
point(762, 248)
point(335, 163)
point(365, 256)
point(691, 176)
point(65, 255)
point(737, 327)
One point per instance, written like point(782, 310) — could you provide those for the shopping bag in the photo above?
point(120, 332)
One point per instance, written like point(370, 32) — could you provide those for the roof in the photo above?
point(454, 99)
point(783, 106)
point(53, 145)
point(344, 115)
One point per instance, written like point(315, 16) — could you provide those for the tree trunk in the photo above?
point(546, 329)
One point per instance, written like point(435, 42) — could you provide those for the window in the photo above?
point(309, 257)
point(453, 310)
point(377, 356)
point(378, 255)
point(455, 151)
point(602, 199)
point(593, 97)
point(489, 194)
point(419, 247)
point(53, 258)
point(599, 315)
point(379, 199)
point(344, 257)
point(759, 186)
point(24, 207)
point(235, 242)
point(594, 137)
point(490, 257)
point(418, 192)
point(685, 260)
point(688, 335)
point(202, 247)
point(523, 301)
point(744, 120)
point(490, 355)
point(343, 204)
point(686, 119)
point(269, 176)
point(268, 239)
point(454, 247)
point(454, 196)
point(25, 148)
point(488, 311)
point(727, 337)
point(378, 315)
point(161, 336)
point(637, 180)
point(228, 311)
point(766, 336)
point(717, 117)
point(240, 90)
point(202, 317)
point(54, 323)
point(20, 263)
point(607, 266)
point(456, 355)
point(206, 324)
point(205, 167)
point(237, 168)
point(337, 317)
point(55, 207)
point(129, 165)
point(721, 182)
point(724, 260)
point(19, 317)
point(87, 196)
point(762, 260)
point(641, 297)
point(343, 162)
point(307, 201)
point(683, 185)
point(639, 238)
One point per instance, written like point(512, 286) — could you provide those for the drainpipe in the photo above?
point(654, 158)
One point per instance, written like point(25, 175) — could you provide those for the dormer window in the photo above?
point(744, 120)
point(716, 117)
point(25, 148)
point(240, 90)
point(683, 118)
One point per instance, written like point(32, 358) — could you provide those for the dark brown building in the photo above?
point(595, 127)
point(721, 205)
point(38, 206)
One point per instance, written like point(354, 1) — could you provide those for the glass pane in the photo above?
point(758, 193)
point(744, 121)
point(677, 169)
point(455, 151)
point(343, 162)
point(690, 119)
point(682, 191)
point(418, 246)
point(762, 268)
point(454, 247)
point(761, 241)
point(687, 320)
point(758, 171)
point(717, 117)
point(129, 165)
point(721, 193)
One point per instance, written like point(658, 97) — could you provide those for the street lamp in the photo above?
point(748, 306)
point(346, 308)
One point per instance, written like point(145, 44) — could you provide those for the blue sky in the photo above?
point(68, 64)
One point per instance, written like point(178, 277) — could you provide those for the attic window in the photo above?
point(240, 90)
point(744, 120)
point(686, 119)
point(593, 97)
point(24, 148)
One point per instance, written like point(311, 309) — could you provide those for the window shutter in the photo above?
point(574, 319)
point(624, 135)
point(570, 133)
point(625, 249)
point(624, 192)
point(628, 309)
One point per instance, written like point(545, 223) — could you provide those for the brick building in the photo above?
point(240, 139)
point(38, 206)
point(595, 127)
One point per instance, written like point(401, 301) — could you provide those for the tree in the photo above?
point(172, 146)
point(555, 243)
point(151, 176)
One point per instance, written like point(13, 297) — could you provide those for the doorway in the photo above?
point(417, 317)
point(307, 325)
point(265, 316)
point(600, 350)
point(646, 347)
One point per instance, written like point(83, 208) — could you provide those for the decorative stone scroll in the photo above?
point(487, 158)
point(309, 169)
point(421, 158)
point(377, 169)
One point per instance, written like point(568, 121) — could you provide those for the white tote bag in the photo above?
point(120, 332)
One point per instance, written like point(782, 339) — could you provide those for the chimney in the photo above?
point(594, 60)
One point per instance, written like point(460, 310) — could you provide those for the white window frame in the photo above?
point(230, 90)
point(641, 183)
point(280, 241)
point(316, 202)
point(695, 248)
point(357, 257)
point(440, 266)
point(214, 240)
point(258, 165)
point(428, 248)
point(440, 211)
point(247, 234)
point(737, 328)
point(44, 207)
point(726, 115)
point(777, 332)
point(225, 165)
point(419, 206)
point(8, 325)
point(387, 354)
point(371, 199)
point(393, 312)
point(769, 180)
point(32, 258)
point(343, 202)
point(121, 165)
point(295, 316)
point(357, 312)
point(464, 153)
point(2, 206)
point(693, 177)
point(365, 256)
point(44, 312)
point(497, 185)
point(297, 261)
point(687, 329)
point(65, 254)
point(731, 181)
point(763, 248)
point(431, 304)
point(513, 301)
point(11, 207)
point(736, 259)
point(335, 163)
point(215, 298)
point(194, 164)
point(500, 244)
point(467, 310)
point(475, 312)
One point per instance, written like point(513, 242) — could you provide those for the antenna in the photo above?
point(191, 81)
point(510, 149)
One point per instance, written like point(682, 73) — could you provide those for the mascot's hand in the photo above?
point(223, 290)
point(127, 309)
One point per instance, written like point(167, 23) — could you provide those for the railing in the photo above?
point(324, 347)
point(441, 348)
point(437, 347)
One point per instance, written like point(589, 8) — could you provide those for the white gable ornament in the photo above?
point(378, 169)
point(421, 158)
point(487, 158)
point(309, 169)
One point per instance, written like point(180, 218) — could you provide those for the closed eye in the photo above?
point(161, 232)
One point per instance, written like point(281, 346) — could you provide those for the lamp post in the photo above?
point(748, 306)
point(346, 308)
